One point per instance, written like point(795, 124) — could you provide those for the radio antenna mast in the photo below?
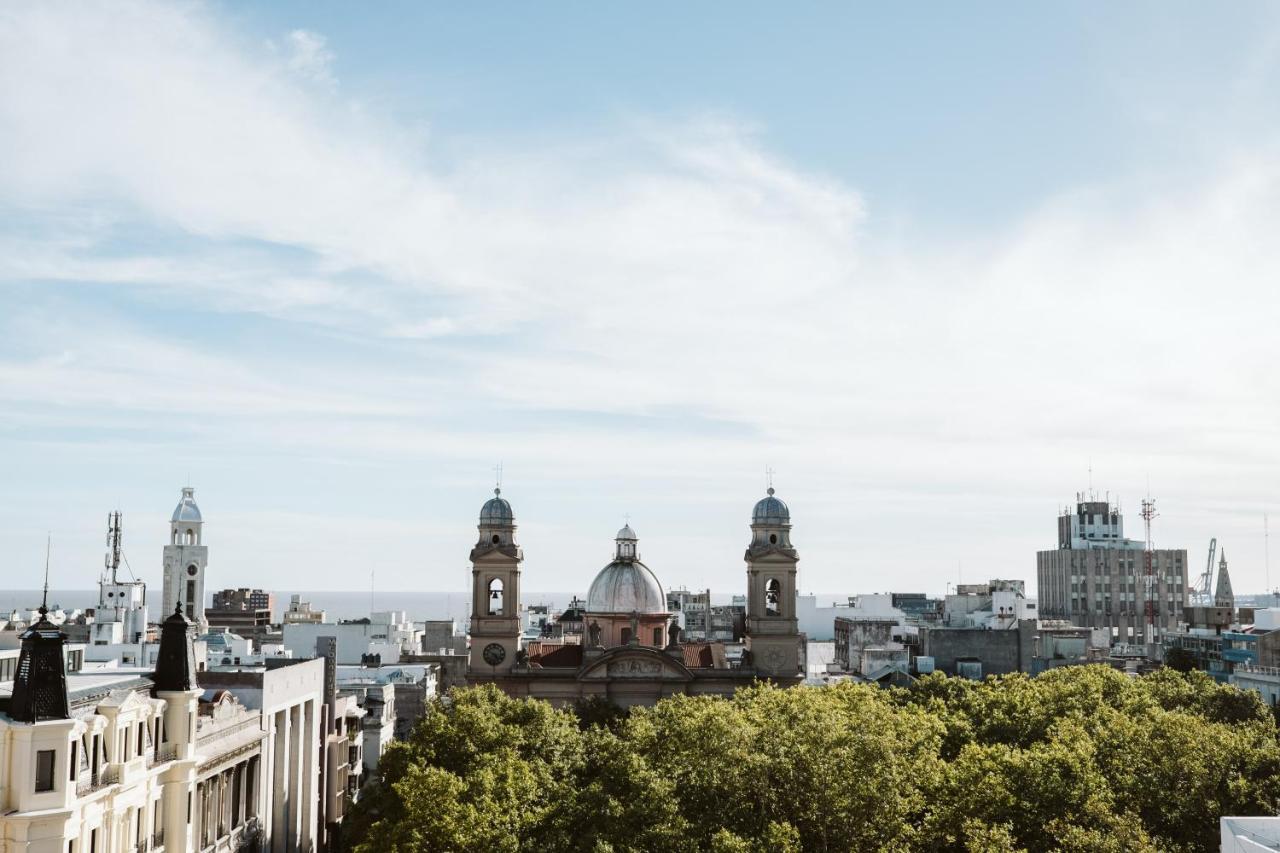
point(113, 543)
point(1148, 513)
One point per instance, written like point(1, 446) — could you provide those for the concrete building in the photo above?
point(700, 619)
point(1026, 646)
point(631, 653)
point(389, 634)
point(442, 636)
point(299, 612)
point(246, 612)
point(244, 598)
point(1096, 577)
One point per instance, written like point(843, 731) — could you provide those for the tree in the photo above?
point(1076, 759)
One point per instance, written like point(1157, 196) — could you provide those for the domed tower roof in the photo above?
point(186, 510)
point(496, 510)
point(771, 510)
point(626, 585)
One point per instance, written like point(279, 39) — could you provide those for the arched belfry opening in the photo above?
point(772, 597)
point(496, 601)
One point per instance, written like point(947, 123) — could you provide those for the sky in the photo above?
point(939, 267)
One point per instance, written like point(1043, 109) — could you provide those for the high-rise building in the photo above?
point(1097, 578)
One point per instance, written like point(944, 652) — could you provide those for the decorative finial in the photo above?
point(177, 609)
point(768, 478)
point(497, 476)
point(497, 490)
point(769, 491)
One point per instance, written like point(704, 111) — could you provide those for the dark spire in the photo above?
point(40, 685)
point(176, 662)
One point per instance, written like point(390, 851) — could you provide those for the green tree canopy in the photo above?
point(1077, 759)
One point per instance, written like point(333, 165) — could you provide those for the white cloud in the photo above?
point(673, 270)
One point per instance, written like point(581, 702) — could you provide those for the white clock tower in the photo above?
point(186, 558)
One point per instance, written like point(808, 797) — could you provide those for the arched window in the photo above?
point(175, 536)
point(191, 536)
point(626, 636)
point(657, 637)
point(772, 597)
point(495, 597)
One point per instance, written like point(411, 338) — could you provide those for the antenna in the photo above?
point(44, 602)
point(1148, 513)
point(113, 542)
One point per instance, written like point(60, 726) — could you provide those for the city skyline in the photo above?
point(330, 269)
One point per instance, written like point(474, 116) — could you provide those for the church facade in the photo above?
point(630, 651)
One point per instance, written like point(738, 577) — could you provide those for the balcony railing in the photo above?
point(88, 783)
point(253, 722)
point(157, 840)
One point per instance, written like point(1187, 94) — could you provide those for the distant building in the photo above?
point(699, 619)
point(300, 612)
point(1096, 577)
point(631, 653)
point(389, 634)
point(1023, 647)
point(244, 598)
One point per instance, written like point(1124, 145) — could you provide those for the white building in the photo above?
point(387, 633)
point(186, 559)
point(130, 760)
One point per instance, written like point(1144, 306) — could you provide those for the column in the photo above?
point(280, 802)
point(311, 742)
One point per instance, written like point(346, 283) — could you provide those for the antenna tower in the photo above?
point(112, 558)
point(1148, 513)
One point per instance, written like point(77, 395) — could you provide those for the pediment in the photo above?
point(635, 662)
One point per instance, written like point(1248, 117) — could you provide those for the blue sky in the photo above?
point(930, 263)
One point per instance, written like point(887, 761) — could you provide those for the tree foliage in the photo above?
point(1077, 759)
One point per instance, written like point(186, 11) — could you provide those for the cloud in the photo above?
point(635, 310)
point(309, 55)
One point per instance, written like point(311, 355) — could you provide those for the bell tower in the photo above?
point(186, 558)
point(495, 590)
point(773, 634)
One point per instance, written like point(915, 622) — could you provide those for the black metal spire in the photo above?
point(40, 684)
point(176, 662)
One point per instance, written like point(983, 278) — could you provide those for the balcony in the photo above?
point(156, 841)
point(88, 783)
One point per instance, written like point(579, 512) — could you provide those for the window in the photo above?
point(44, 769)
point(657, 636)
point(626, 636)
point(72, 763)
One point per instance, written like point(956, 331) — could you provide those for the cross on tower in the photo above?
point(497, 475)
point(768, 477)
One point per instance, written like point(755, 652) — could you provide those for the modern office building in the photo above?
point(1096, 577)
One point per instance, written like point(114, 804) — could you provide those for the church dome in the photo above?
point(626, 586)
point(771, 510)
point(496, 510)
point(186, 510)
point(626, 533)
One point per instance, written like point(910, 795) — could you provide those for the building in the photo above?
point(1097, 578)
point(389, 634)
point(244, 598)
point(186, 560)
point(630, 652)
point(300, 612)
point(442, 636)
point(1025, 646)
point(700, 619)
point(129, 759)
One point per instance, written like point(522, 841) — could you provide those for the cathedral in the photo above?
point(630, 651)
